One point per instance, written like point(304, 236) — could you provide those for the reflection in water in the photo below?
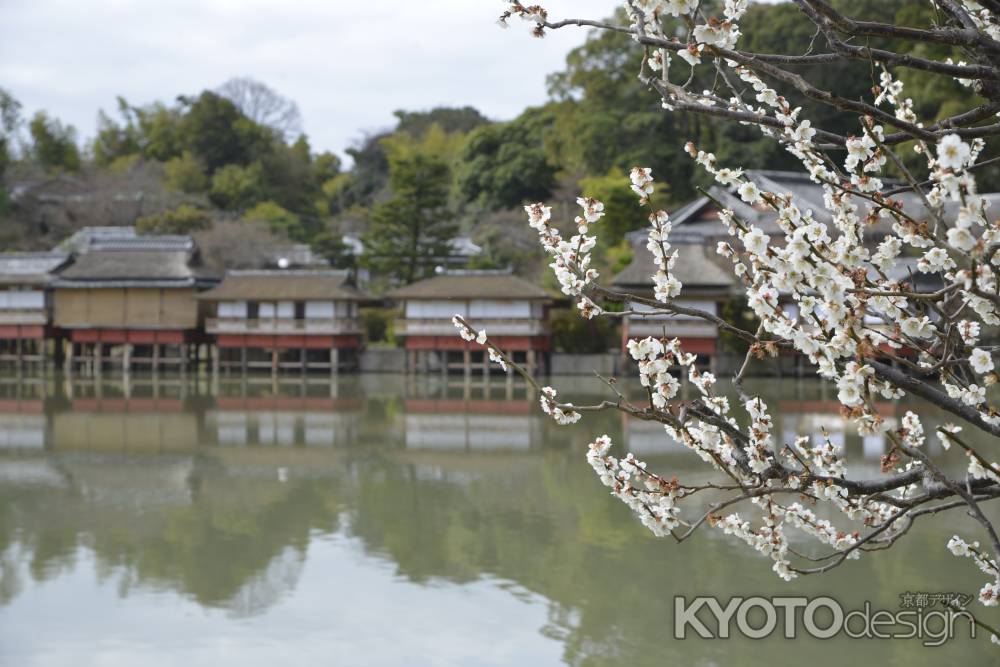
point(271, 506)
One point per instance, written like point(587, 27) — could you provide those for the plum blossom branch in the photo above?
point(891, 297)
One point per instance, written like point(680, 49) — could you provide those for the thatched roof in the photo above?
point(30, 268)
point(287, 285)
point(109, 268)
point(696, 267)
point(460, 285)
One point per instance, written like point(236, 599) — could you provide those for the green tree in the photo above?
point(10, 120)
point(449, 119)
point(160, 131)
point(621, 213)
point(503, 165)
point(53, 145)
point(219, 134)
point(283, 222)
point(407, 233)
point(331, 247)
point(185, 174)
point(184, 219)
point(235, 187)
point(115, 141)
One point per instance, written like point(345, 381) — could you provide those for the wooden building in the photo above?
point(285, 319)
point(132, 304)
point(514, 312)
point(707, 286)
point(26, 305)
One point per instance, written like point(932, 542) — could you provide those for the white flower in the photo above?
point(958, 546)
point(934, 261)
point(692, 54)
point(917, 327)
point(465, 332)
point(749, 192)
point(755, 241)
point(677, 7)
point(593, 209)
point(952, 152)
point(728, 176)
point(961, 238)
point(969, 330)
point(849, 395)
point(496, 358)
point(647, 348)
point(481, 337)
point(943, 434)
point(538, 215)
point(588, 309)
point(804, 132)
point(981, 361)
point(642, 182)
point(989, 594)
point(562, 415)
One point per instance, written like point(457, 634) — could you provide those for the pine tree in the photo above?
point(410, 233)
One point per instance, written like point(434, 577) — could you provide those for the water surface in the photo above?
point(383, 520)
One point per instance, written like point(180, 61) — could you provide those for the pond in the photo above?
point(384, 520)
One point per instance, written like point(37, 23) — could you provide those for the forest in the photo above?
point(233, 162)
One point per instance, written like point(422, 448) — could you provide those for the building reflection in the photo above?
point(819, 420)
point(470, 425)
point(217, 492)
point(284, 421)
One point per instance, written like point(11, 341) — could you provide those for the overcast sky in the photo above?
point(348, 64)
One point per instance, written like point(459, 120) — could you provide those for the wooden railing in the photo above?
point(494, 326)
point(23, 316)
point(278, 325)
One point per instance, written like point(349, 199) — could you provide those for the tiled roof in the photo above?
point(285, 285)
point(87, 239)
point(696, 267)
point(456, 285)
point(30, 268)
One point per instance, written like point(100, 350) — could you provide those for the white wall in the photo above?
point(22, 299)
point(499, 309)
point(477, 310)
point(233, 309)
point(319, 310)
point(435, 309)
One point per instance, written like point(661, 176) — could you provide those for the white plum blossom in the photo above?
point(749, 192)
point(887, 295)
point(917, 327)
point(952, 152)
point(969, 331)
point(642, 182)
point(981, 361)
point(692, 54)
point(562, 414)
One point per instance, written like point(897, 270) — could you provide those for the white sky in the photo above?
point(348, 64)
